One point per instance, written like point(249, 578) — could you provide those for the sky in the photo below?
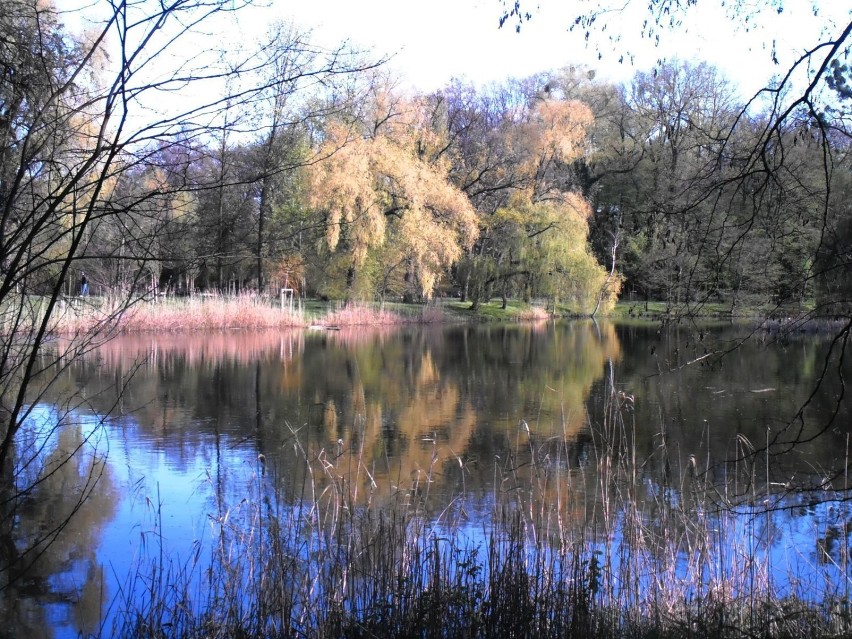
point(432, 42)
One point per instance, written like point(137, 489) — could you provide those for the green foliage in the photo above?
point(832, 282)
point(535, 250)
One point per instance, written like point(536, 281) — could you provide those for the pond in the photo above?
point(179, 430)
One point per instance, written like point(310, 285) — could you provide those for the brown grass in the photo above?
point(533, 314)
point(354, 314)
point(85, 316)
point(200, 313)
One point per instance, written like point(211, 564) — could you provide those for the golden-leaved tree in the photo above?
point(394, 221)
point(534, 223)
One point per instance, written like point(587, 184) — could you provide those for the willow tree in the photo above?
point(303, 83)
point(534, 222)
point(542, 250)
point(380, 195)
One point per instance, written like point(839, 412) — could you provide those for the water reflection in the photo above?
point(50, 534)
point(759, 394)
point(416, 405)
point(197, 422)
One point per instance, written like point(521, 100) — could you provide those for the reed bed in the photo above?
point(214, 313)
point(353, 314)
point(208, 313)
point(87, 316)
point(533, 313)
point(601, 547)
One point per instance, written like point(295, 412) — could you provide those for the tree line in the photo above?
point(365, 193)
point(312, 171)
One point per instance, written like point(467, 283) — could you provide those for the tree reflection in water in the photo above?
point(433, 418)
point(51, 570)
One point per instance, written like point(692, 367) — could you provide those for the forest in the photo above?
point(310, 169)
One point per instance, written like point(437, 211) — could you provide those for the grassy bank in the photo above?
point(657, 311)
point(570, 548)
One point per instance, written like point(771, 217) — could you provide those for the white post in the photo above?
point(288, 293)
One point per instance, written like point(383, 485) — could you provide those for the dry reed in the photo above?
point(83, 316)
point(533, 313)
point(599, 549)
point(86, 316)
point(359, 314)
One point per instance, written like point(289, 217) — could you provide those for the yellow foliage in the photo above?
point(560, 127)
point(381, 186)
point(343, 187)
point(578, 205)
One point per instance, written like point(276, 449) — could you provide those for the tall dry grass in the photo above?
point(200, 313)
point(533, 313)
point(85, 316)
point(599, 548)
point(361, 314)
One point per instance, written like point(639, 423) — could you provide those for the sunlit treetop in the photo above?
point(377, 184)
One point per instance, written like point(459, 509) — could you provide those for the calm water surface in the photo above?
point(177, 426)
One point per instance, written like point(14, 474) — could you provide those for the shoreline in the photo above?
point(89, 315)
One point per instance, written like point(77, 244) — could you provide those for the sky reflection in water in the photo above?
point(207, 421)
